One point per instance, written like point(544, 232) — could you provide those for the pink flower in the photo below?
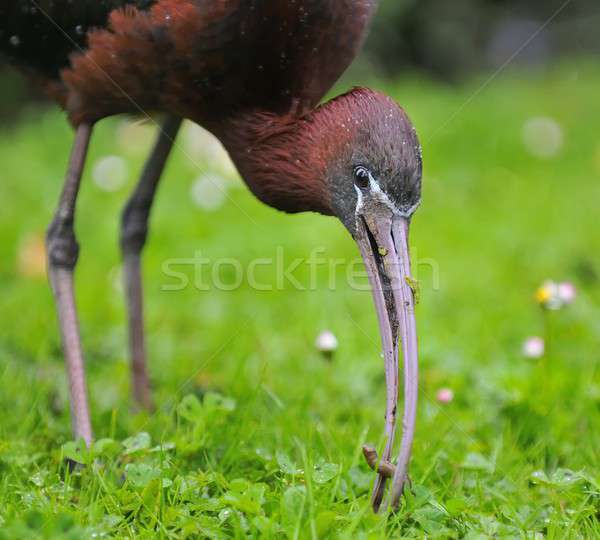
point(567, 292)
point(444, 395)
point(534, 347)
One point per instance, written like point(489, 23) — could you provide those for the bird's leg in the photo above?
point(63, 251)
point(134, 230)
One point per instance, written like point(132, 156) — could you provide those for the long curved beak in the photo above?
point(382, 237)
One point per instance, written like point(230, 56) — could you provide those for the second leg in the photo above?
point(134, 231)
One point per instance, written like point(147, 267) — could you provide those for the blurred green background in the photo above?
point(511, 191)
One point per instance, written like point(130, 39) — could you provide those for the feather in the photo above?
point(202, 59)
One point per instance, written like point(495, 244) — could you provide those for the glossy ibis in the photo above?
point(252, 72)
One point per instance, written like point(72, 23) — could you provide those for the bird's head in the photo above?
point(372, 155)
point(356, 157)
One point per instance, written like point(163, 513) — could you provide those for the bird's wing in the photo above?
point(195, 58)
point(305, 46)
point(276, 55)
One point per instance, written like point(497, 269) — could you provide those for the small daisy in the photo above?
point(567, 292)
point(326, 343)
point(444, 395)
point(534, 347)
point(554, 296)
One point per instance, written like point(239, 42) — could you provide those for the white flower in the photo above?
point(326, 342)
point(534, 347)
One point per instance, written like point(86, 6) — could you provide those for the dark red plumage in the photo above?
point(204, 59)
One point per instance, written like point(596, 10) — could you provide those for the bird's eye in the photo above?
point(362, 177)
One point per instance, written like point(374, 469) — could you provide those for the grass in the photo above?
point(256, 434)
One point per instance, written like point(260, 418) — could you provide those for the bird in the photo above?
point(254, 73)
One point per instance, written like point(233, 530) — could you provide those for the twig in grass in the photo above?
point(385, 468)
